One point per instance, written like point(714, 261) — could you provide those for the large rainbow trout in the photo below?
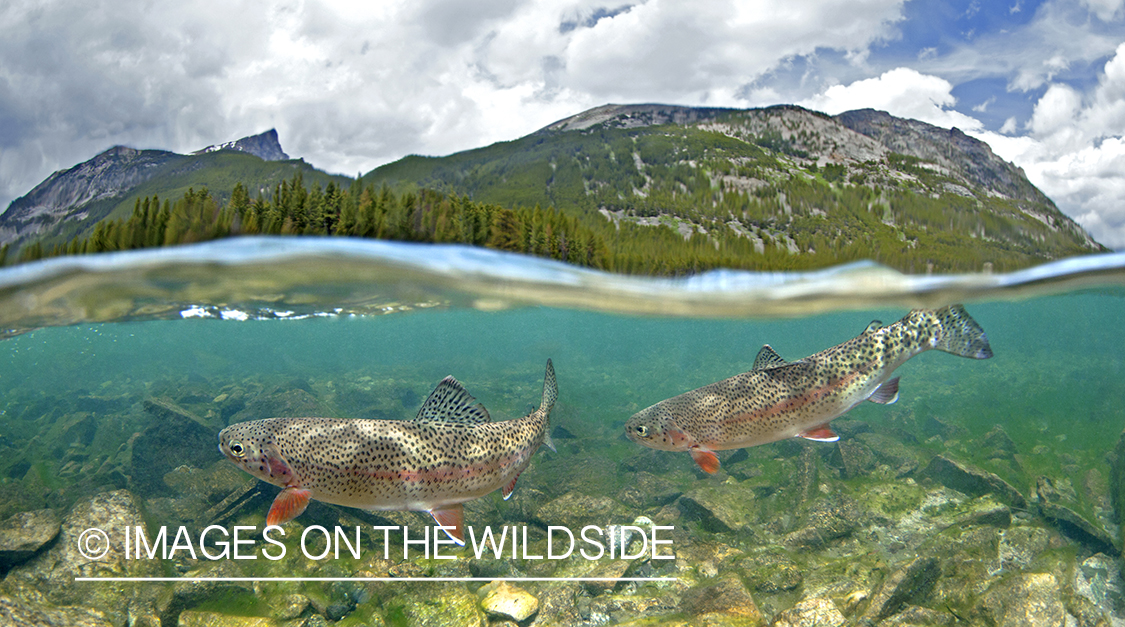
point(778, 399)
point(449, 453)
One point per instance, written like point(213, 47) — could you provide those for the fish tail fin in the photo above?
point(960, 334)
point(550, 395)
point(550, 390)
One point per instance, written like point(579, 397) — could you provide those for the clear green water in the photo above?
point(1057, 378)
point(71, 395)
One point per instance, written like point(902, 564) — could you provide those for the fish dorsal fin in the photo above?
point(452, 404)
point(768, 358)
point(874, 326)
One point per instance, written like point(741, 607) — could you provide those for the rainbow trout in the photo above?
point(778, 399)
point(449, 453)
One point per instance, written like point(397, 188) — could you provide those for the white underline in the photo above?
point(432, 579)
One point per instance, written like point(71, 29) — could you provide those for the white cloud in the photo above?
point(1106, 10)
point(902, 92)
point(352, 85)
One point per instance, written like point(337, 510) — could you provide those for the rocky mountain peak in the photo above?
point(264, 145)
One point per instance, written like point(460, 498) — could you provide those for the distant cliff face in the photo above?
point(68, 194)
point(265, 146)
point(63, 194)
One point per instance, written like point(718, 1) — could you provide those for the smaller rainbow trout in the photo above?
point(449, 453)
point(778, 399)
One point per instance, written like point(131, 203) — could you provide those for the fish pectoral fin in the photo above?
point(289, 504)
point(885, 394)
point(822, 433)
point(706, 459)
point(451, 520)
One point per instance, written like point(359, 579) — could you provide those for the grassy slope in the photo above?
point(897, 211)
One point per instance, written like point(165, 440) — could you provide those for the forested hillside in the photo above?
point(645, 189)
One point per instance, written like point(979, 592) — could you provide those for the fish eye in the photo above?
point(642, 431)
point(236, 448)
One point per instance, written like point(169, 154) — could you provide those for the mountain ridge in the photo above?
point(780, 182)
point(70, 201)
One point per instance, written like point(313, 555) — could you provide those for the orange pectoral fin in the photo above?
point(288, 505)
point(452, 521)
point(822, 433)
point(706, 459)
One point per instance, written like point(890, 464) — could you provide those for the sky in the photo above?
point(353, 85)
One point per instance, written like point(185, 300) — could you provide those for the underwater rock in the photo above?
point(610, 570)
point(213, 619)
point(1117, 486)
point(723, 601)
point(852, 458)
point(892, 452)
point(1099, 591)
point(1025, 600)
point(912, 582)
point(22, 535)
point(561, 433)
point(575, 510)
point(917, 616)
point(771, 573)
point(503, 600)
point(997, 444)
point(647, 491)
point(279, 401)
point(804, 480)
point(205, 496)
point(721, 508)
point(77, 428)
point(291, 606)
point(437, 605)
point(557, 606)
point(815, 612)
point(827, 520)
point(16, 614)
point(51, 572)
point(1076, 527)
point(186, 593)
point(973, 481)
point(175, 437)
point(166, 409)
point(1069, 522)
point(933, 426)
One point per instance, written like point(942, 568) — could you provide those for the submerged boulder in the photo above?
point(19, 614)
point(502, 600)
point(175, 437)
point(722, 508)
point(1069, 522)
point(828, 519)
point(973, 481)
point(1117, 487)
point(726, 601)
point(912, 582)
point(82, 551)
point(1026, 600)
point(815, 612)
point(575, 510)
point(22, 535)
